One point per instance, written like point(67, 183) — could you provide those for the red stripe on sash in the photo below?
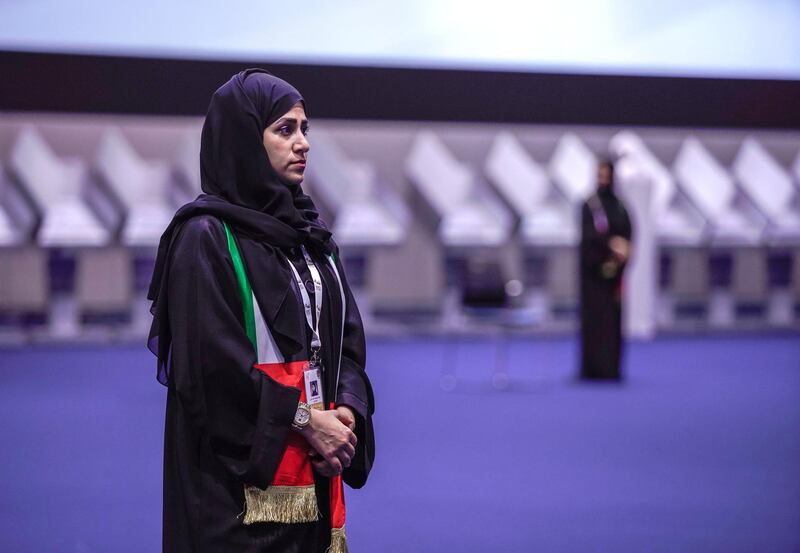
point(295, 467)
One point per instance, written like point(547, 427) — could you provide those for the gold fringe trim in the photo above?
point(287, 504)
point(338, 541)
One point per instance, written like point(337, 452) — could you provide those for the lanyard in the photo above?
point(315, 276)
point(599, 217)
point(313, 321)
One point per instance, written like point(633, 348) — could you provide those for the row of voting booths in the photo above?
point(440, 224)
point(85, 210)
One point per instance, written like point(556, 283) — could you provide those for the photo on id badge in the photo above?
point(313, 387)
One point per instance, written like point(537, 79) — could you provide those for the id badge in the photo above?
point(313, 381)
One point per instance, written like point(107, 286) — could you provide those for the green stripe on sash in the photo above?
point(245, 290)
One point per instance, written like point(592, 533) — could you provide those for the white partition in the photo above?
point(141, 185)
point(365, 214)
point(677, 223)
point(469, 214)
point(770, 187)
point(712, 190)
point(545, 217)
point(56, 186)
point(573, 168)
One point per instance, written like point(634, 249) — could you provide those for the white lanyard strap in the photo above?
point(313, 322)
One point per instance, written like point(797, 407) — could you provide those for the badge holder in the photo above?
point(313, 381)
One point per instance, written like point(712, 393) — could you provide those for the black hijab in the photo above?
point(241, 187)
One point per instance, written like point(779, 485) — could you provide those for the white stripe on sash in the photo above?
point(268, 351)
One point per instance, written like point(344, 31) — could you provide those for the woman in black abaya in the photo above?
point(227, 422)
point(604, 253)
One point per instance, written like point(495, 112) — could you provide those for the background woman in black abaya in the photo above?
point(604, 252)
point(248, 288)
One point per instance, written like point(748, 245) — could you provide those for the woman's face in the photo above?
point(286, 144)
point(605, 175)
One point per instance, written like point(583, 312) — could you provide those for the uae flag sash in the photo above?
point(290, 497)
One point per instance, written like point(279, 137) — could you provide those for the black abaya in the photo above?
point(227, 422)
point(603, 217)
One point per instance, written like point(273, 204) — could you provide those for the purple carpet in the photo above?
point(698, 451)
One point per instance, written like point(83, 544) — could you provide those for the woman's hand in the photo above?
point(620, 248)
point(332, 442)
point(345, 414)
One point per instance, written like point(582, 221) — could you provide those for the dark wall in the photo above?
point(105, 84)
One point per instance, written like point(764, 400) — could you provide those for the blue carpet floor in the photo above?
point(698, 451)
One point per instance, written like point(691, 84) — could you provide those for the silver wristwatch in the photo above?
point(302, 416)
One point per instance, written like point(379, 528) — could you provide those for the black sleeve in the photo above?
point(355, 389)
point(243, 414)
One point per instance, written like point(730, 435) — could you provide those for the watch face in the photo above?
point(301, 417)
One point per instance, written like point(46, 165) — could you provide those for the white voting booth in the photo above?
point(468, 219)
point(467, 212)
point(58, 189)
point(769, 186)
point(142, 186)
point(732, 224)
point(573, 170)
point(548, 224)
point(546, 217)
point(145, 189)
